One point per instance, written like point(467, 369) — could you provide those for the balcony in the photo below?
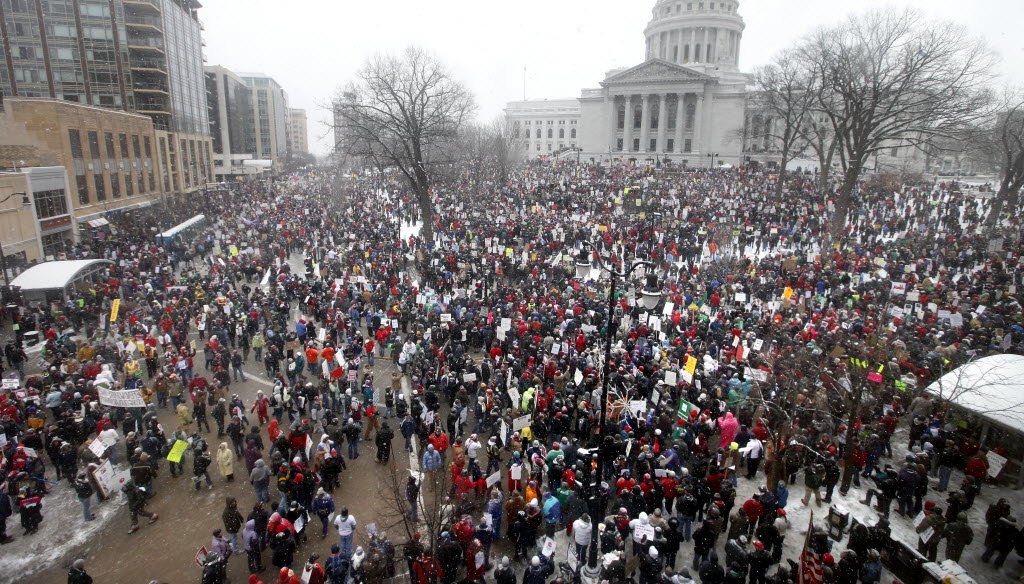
point(146, 24)
point(153, 44)
point(143, 6)
point(139, 66)
point(149, 87)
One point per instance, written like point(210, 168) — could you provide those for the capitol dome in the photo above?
point(704, 34)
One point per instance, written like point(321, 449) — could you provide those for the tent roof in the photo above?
point(56, 275)
point(991, 387)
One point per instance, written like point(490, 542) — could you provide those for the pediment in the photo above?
point(655, 70)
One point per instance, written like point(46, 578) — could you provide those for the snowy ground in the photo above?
point(63, 529)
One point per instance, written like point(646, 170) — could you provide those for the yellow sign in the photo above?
point(787, 293)
point(177, 450)
point(233, 250)
point(508, 252)
point(114, 308)
point(691, 364)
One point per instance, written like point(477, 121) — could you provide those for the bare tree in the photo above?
point(404, 113)
point(893, 79)
point(1003, 143)
point(507, 147)
point(786, 87)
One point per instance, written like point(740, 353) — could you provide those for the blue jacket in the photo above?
point(552, 509)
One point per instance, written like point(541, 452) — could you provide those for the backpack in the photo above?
point(336, 568)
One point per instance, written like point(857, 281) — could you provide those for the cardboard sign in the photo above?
point(10, 384)
point(201, 556)
point(787, 293)
point(115, 307)
point(494, 479)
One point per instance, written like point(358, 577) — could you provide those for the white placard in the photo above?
point(671, 378)
point(494, 479)
point(469, 377)
point(97, 447)
point(520, 423)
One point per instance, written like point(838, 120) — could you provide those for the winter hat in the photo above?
point(653, 551)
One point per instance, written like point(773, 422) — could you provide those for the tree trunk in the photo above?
point(1003, 198)
point(780, 182)
point(843, 201)
point(426, 214)
point(848, 467)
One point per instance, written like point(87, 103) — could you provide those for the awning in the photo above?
point(58, 275)
point(99, 222)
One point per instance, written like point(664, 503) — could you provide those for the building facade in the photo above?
point(108, 158)
point(141, 56)
point(229, 103)
point(685, 103)
point(270, 118)
point(298, 141)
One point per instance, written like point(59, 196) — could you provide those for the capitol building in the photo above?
point(687, 102)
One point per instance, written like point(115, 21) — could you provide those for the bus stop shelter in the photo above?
point(52, 280)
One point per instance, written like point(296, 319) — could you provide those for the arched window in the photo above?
point(686, 54)
point(622, 117)
point(550, 133)
point(561, 133)
point(638, 116)
point(675, 53)
point(696, 53)
point(538, 133)
point(572, 133)
point(691, 115)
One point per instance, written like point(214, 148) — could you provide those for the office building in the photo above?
point(229, 105)
point(270, 118)
point(298, 142)
point(166, 57)
point(140, 56)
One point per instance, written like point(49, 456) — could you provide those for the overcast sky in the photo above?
point(313, 46)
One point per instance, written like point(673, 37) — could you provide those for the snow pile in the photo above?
point(62, 532)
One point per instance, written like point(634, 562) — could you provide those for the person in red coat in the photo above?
point(977, 467)
point(426, 570)
point(476, 561)
point(317, 575)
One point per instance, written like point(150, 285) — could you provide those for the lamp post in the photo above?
point(3, 257)
point(712, 156)
point(649, 300)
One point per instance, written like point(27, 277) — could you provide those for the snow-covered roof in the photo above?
point(991, 387)
point(182, 226)
point(56, 275)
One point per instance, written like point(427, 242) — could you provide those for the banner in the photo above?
point(115, 306)
point(123, 398)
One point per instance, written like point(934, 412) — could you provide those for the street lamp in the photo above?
point(712, 156)
point(3, 258)
point(649, 299)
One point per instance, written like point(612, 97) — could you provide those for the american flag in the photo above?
point(810, 564)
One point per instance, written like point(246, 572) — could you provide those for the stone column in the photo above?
point(680, 121)
point(645, 121)
point(662, 121)
point(708, 103)
point(698, 114)
point(613, 121)
point(627, 128)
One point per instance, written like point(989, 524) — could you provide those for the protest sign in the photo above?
point(123, 398)
point(177, 451)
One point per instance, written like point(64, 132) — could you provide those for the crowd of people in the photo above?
point(740, 381)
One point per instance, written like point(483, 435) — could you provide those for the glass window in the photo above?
point(97, 167)
point(52, 203)
point(115, 180)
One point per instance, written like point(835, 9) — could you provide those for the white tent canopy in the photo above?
point(991, 387)
point(173, 231)
point(57, 275)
